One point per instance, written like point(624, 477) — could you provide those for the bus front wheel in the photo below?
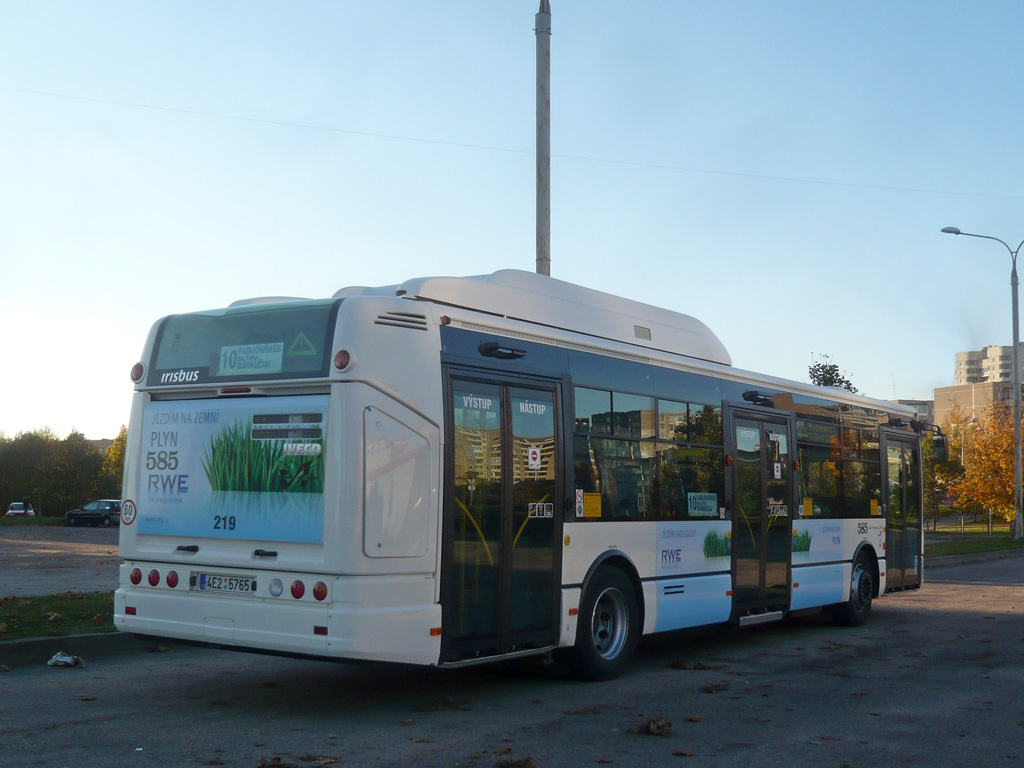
point(855, 610)
point(609, 626)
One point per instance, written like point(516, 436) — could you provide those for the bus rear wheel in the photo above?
point(609, 626)
point(854, 611)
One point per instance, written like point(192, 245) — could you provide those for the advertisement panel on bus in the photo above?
point(234, 469)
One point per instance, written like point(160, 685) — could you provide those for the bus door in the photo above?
point(502, 518)
point(762, 508)
point(901, 479)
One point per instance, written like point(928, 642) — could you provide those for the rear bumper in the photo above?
point(394, 629)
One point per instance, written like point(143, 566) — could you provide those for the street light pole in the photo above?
point(1018, 528)
point(543, 32)
point(963, 442)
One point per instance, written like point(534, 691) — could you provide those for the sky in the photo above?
point(779, 170)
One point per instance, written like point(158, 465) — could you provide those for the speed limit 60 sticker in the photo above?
point(128, 512)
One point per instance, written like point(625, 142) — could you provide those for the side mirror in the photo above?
point(940, 448)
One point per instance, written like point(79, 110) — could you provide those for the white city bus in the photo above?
point(456, 470)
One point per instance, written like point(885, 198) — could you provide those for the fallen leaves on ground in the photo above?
point(522, 762)
point(658, 726)
point(445, 704)
point(693, 665)
point(594, 710)
point(715, 688)
point(278, 762)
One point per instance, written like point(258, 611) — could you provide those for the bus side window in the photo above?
point(819, 482)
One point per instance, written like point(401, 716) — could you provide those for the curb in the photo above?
point(977, 557)
point(39, 650)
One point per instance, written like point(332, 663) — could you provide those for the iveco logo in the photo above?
point(302, 449)
point(180, 377)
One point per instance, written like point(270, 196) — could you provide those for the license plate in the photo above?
point(211, 582)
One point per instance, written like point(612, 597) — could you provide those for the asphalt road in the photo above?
point(47, 560)
point(933, 678)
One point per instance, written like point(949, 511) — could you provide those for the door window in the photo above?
point(501, 519)
point(533, 509)
point(762, 523)
point(476, 513)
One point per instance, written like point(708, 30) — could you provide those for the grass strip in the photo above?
point(968, 545)
point(30, 522)
point(71, 613)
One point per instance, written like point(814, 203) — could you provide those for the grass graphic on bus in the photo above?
point(802, 541)
point(717, 545)
point(235, 462)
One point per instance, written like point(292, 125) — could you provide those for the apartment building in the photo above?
point(982, 376)
point(985, 364)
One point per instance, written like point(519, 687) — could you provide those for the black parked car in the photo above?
point(99, 512)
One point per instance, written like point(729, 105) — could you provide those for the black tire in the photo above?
point(855, 610)
point(608, 628)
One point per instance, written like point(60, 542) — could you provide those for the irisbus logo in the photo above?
point(180, 377)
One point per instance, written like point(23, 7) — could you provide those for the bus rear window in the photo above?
point(257, 342)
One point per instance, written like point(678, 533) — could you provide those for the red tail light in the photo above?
point(154, 577)
point(172, 579)
point(136, 576)
point(320, 590)
point(298, 589)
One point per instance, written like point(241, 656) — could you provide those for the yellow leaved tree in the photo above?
point(987, 480)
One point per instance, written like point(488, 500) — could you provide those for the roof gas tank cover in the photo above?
point(534, 298)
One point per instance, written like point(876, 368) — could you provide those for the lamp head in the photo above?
point(950, 231)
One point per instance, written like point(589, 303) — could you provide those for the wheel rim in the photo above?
point(610, 627)
point(860, 593)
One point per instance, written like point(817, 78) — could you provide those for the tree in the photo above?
point(959, 429)
point(56, 475)
point(939, 477)
point(825, 373)
point(955, 427)
point(26, 468)
point(987, 480)
point(77, 465)
point(112, 472)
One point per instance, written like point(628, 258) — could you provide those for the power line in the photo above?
point(490, 148)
